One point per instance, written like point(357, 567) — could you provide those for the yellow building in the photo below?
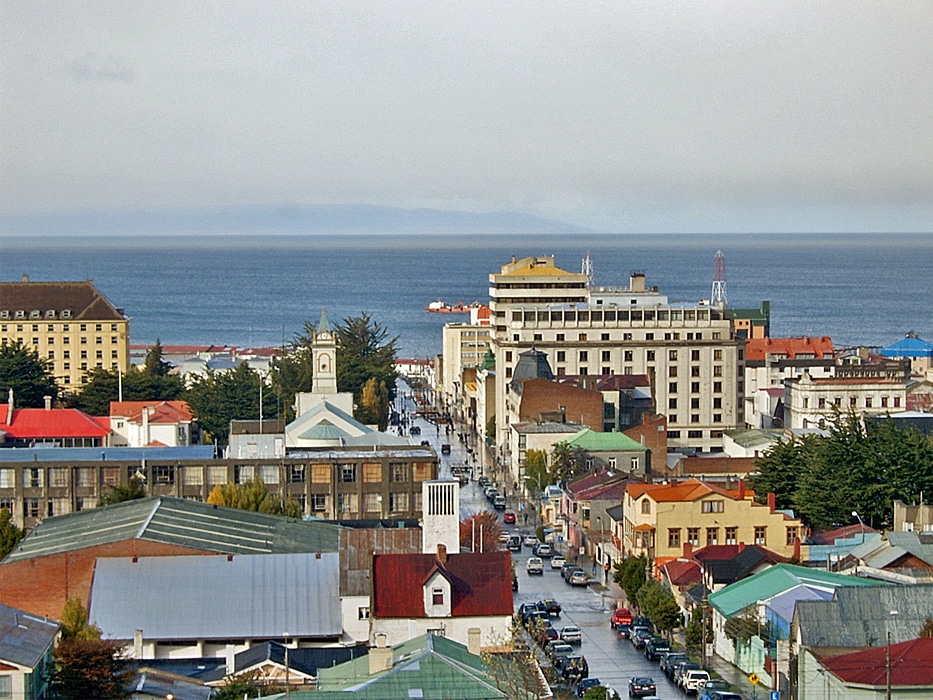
point(70, 324)
point(659, 519)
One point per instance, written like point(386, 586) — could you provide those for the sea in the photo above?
point(259, 291)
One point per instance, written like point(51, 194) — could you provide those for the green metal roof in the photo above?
point(180, 522)
point(591, 441)
point(430, 667)
point(776, 580)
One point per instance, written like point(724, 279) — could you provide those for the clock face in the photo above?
point(325, 335)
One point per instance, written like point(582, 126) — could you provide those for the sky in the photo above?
point(618, 117)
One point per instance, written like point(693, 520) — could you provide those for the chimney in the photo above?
point(473, 636)
point(9, 418)
point(48, 402)
point(380, 656)
point(441, 554)
point(230, 659)
point(688, 550)
point(137, 644)
point(741, 489)
point(741, 547)
point(796, 549)
point(772, 502)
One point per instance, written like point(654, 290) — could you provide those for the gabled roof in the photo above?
point(81, 299)
point(616, 513)
point(41, 424)
point(909, 665)
point(911, 346)
point(24, 638)
point(788, 348)
point(776, 580)
point(859, 616)
point(603, 492)
point(177, 521)
point(304, 660)
point(218, 597)
point(429, 667)
point(846, 532)
point(159, 684)
point(591, 441)
point(741, 565)
point(690, 490)
point(481, 584)
point(162, 411)
point(682, 572)
point(595, 479)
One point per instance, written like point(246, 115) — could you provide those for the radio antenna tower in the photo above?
point(588, 269)
point(718, 295)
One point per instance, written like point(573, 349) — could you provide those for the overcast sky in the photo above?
point(617, 116)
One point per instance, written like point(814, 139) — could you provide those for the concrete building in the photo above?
point(142, 423)
point(691, 353)
point(70, 324)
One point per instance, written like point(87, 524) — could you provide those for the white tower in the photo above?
point(718, 294)
point(324, 353)
point(441, 517)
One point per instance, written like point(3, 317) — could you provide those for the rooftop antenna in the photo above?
point(718, 294)
point(588, 269)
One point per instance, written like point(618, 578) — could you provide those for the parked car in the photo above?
point(445, 449)
point(550, 606)
point(482, 481)
point(530, 540)
point(566, 568)
point(669, 663)
point(415, 430)
point(724, 695)
point(641, 686)
point(558, 650)
point(584, 685)
point(691, 681)
point(643, 622)
point(534, 565)
point(681, 670)
point(508, 517)
point(571, 571)
point(526, 609)
point(579, 578)
point(573, 668)
point(515, 543)
point(571, 634)
point(656, 646)
point(544, 551)
point(620, 616)
point(624, 631)
point(640, 636)
point(546, 634)
point(704, 688)
point(499, 503)
point(557, 562)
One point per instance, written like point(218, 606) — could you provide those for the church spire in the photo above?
point(324, 352)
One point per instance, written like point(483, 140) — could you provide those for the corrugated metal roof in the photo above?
point(103, 454)
point(218, 597)
point(24, 638)
point(592, 441)
point(861, 616)
point(181, 522)
point(909, 666)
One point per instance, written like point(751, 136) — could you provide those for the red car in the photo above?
point(621, 616)
point(508, 517)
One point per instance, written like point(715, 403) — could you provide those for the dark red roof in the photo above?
point(481, 584)
point(683, 572)
point(910, 664)
point(40, 423)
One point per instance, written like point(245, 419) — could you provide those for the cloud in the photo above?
point(94, 68)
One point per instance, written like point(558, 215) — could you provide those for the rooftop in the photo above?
point(24, 638)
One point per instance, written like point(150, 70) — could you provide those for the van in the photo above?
point(515, 543)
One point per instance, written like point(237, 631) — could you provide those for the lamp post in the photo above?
point(887, 665)
point(861, 524)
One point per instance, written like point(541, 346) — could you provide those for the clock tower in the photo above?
point(324, 354)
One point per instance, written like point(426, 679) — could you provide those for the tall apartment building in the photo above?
point(70, 324)
point(690, 352)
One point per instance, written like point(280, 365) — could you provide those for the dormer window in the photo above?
point(35, 313)
point(437, 596)
point(66, 313)
point(50, 313)
point(20, 313)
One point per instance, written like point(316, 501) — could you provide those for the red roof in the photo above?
point(481, 584)
point(169, 412)
point(789, 348)
point(40, 423)
point(910, 664)
point(683, 572)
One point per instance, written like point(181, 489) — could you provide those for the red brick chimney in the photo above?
point(741, 489)
point(796, 549)
point(741, 546)
point(688, 550)
point(772, 501)
point(441, 554)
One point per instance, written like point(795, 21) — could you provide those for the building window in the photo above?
point(853, 401)
point(31, 507)
point(582, 336)
point(713, 506)
point(7, 478)
point(694, 387)
point(111, 476)
point(694, 434)
point(672, 403)
point(717, 355)
point(32, 478)
point(712, 536)
point(884, 402)
point(672, 371)
point(695, 403)
point(561, 356)
point(673, 537)
point(346, 503)
point(732, 535)
point(348, 473)
point(163, 474)
point(897, 402)
point(319, 502)
point(694, 417)
point(296, 473)
point(694, 370)
point(672, 355)
point(717, 387)
point(269, 473)
point(672, 418)
point(867, 402)
point(372, 472)
point(216, 476)
point(398, 472)
point(717, 402)
point(649, 355)
point(634, 464)
point(58, 477)
point(604, 336)
point(363, 613)
point(694, 355)
point(560, 337)
point(672, 387)
point(192, 476)
point(693, 536)
point(243, 473)
point(646, 505)
point(584, 356)
point(791, 535)
point(761, 534)
point(437, 596)
point(6, 686)
point(628, 356)
point(606, 355)
point(717, 370)
point(398, 502)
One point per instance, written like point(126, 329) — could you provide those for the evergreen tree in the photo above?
point(10, 534)
point(28, 375)
point(135, 488)
point(220, 397)
point(364, 353)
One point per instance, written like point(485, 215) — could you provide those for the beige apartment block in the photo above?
point(691, 353)
point(659, 519)
point(70, 324)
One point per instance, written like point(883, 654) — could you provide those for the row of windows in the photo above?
point(731, 535)
point(695, 403)
point(65, 328)
point(886, 401)
point(606, 315)
point(66, 340)
point(693, 434)
point(66, 355)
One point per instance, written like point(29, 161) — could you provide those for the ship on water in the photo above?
point(442, 307)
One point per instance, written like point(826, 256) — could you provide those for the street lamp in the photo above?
point(861, 524)
point(887, 670)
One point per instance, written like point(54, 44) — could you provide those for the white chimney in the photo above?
point(380, 656)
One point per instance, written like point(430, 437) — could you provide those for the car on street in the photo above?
point(681, 670)
point(705, 688)
point(534, 565)
point(499, 503)
point(415, 430)
point(656, 646)
point(504, 537)
point(515, 543)
point(669, 662)
point(544, 551)
point(584, 685)
point(445, 449)
point(530, 540)
point(724, 695)
point(640, 636)
point(508, 517)
point(558, 650)
point(579, 578)
point(573, 668)
point(571, 634)
point(545, 634)
point(557, 562)
point(566, 568)
point(624, 631)
point(641, 687)
point(620, 616)
point(691, 681)
point(550, 606)
point(482, 481)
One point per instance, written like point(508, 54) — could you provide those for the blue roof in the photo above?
point(97, 454)
point(911, 346)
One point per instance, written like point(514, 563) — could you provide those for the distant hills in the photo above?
point(284, 219)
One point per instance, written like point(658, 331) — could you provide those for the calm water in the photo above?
point(860, 289)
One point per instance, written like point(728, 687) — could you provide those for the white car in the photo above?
point(557, 562)
point(530, 541)
point(534, 566)
point(571, 634)
point(692, 681)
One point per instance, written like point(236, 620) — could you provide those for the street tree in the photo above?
point(28, 376)
point(656, 602)
point(480, 532)
point(133, 489)
point(89, 668)
point(253, 495)
point(75, 623)
point(10, 533)
point(536, 472)
point(630, 575)
point(219, 397)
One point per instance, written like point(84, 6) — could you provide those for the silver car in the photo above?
point(571, 634)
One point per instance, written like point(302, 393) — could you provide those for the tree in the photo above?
point(536, 474)
point(693, 632)
point(480, 532)
point(89, 668)
point(10, 534)
point(75, 622)
point(364, 354)
point(135, 488)
point(138, 384)
point(658, 604)
point(155, 363)
point(568, 462)
point(237, 687)
point(28, 375)
point(253, 495)
point(220, 397)
point(512, 666)
point(630, 575)
point(374, 404)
